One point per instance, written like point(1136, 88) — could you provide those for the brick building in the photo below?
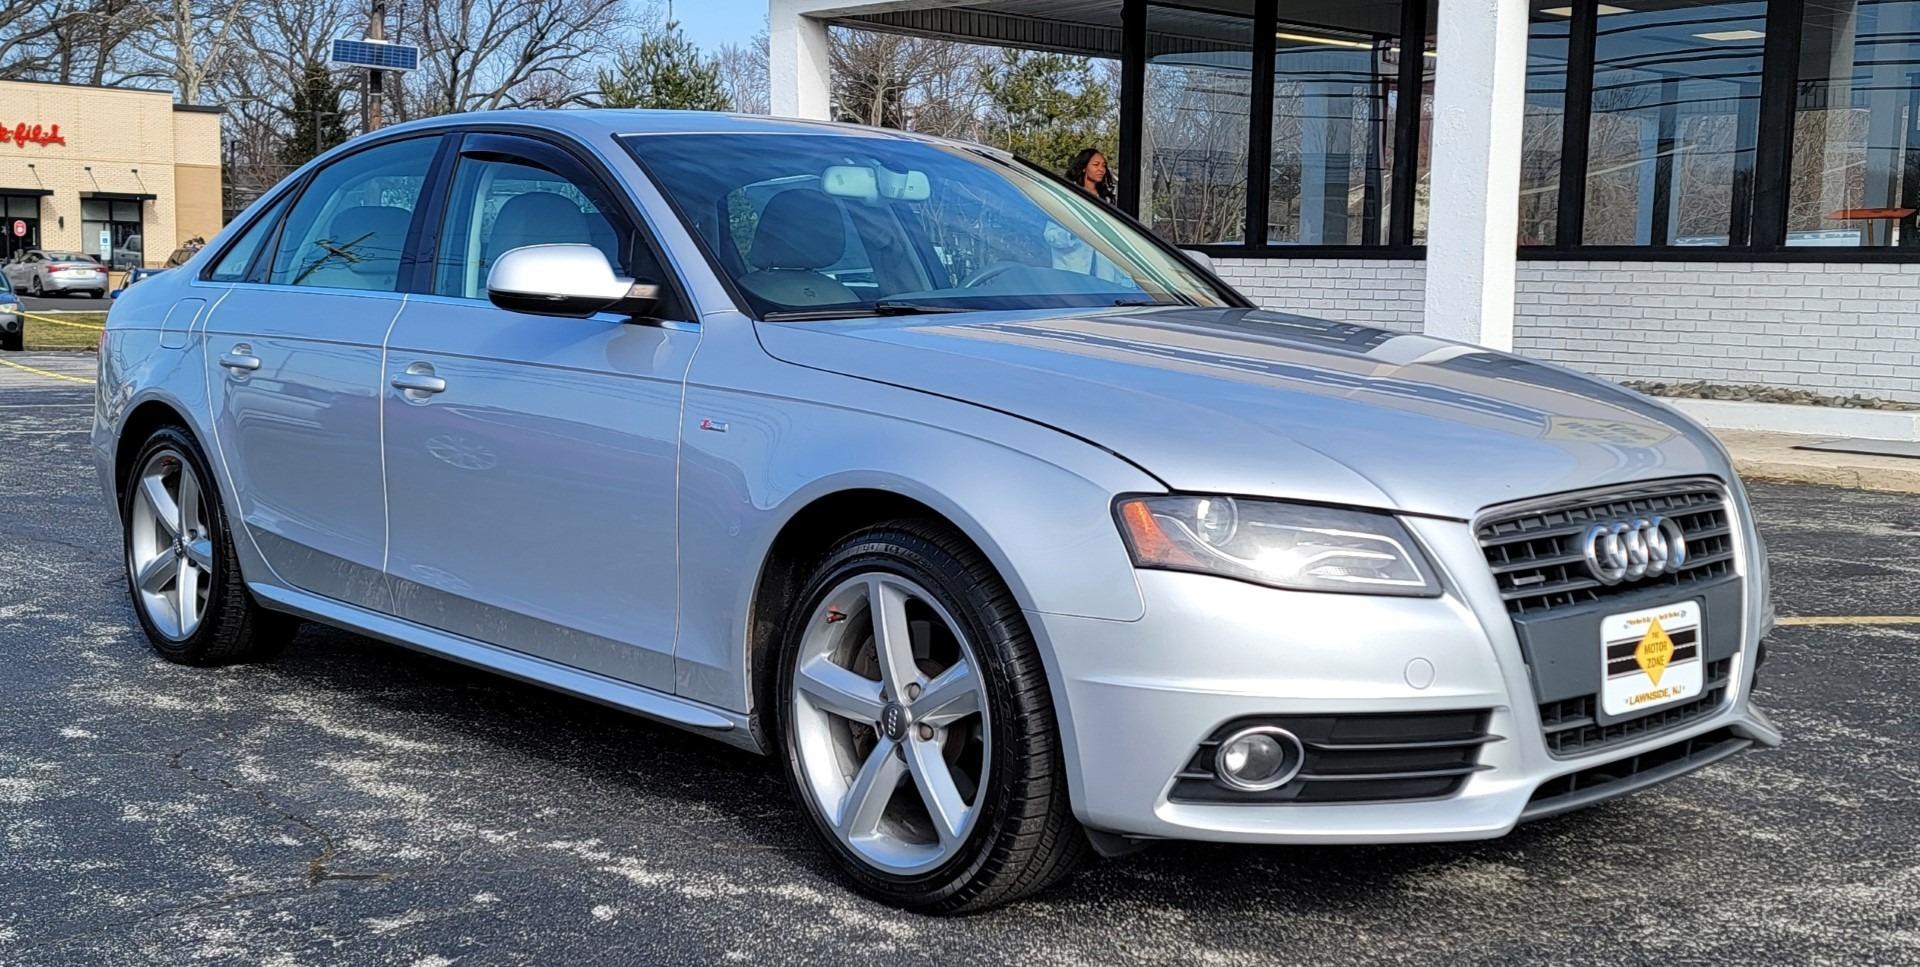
point(124, 175)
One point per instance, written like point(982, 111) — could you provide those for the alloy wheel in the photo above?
point(891, 729)
point(170, 554)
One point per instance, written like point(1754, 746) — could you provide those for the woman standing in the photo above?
point(1088, 172)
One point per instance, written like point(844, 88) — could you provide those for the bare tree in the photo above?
point(743, 72)
point(483, 54)
point(199, 39)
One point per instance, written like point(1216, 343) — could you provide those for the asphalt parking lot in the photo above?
point(356, 802)
point(64, 303)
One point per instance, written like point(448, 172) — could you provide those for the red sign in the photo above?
point(19, 229)
point(24, 134)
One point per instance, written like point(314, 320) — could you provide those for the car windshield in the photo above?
point(816, 226)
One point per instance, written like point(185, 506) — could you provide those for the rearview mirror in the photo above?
point(565, 280)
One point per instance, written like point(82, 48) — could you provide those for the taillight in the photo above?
point(54, 268)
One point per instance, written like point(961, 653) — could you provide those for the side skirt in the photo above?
point(729, 727)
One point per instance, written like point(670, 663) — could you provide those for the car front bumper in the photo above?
point(1137, 698)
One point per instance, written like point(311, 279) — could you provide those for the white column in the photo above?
point(1473, 209)
point(797, 61)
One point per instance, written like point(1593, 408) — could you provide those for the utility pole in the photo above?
point(376, 31)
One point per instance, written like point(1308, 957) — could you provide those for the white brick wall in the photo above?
point(1836, 328)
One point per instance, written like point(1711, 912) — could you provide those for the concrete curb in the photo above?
point(1771, 457)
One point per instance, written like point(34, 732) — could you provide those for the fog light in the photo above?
point(1257, 759)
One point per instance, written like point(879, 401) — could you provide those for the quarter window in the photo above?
point(349, 228)
point(233, 264)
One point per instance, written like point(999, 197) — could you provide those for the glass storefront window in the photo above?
point(1676, 103)
point(19, 225)
point(1856, 111)
point(1332, 136)
point(1544, 125)
point(120, 220)
point(1199, 100)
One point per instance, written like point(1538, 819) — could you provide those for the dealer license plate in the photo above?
point(1650, 658)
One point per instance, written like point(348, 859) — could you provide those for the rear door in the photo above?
point(294, 371)
point(532, 491)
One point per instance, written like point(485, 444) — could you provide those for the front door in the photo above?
point(531, 484)
point(294, 371)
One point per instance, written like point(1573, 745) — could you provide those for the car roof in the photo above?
point(591, 123)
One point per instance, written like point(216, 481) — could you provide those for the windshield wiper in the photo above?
point(890, 307)
point(884, 307)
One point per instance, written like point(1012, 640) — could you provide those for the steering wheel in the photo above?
point(988, 274)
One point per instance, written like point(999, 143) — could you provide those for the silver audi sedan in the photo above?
point(1012, 532)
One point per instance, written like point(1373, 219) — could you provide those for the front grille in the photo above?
point(1355, 758)
point(1572, 727)
point(1538, 559)
point(1588, 786)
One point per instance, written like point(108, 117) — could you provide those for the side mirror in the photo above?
point(1205, 260)
point(565, 280)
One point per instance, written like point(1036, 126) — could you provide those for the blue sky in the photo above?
point(711, 23)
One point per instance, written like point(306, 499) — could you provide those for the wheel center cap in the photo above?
point(893, 721)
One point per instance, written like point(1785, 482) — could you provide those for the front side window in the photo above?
point(498, 206)
point(349, 228)
point(831, 224)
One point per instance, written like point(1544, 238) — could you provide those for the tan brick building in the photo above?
point(82, 167)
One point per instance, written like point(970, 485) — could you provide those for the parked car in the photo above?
point(12, 323)
point(132, 276)
point(42, 273)
point(1010, 530)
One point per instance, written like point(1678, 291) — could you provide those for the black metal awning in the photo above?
point(37, 192)
point(121, 195)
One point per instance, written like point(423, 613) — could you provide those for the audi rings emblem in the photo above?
point(1628, 550)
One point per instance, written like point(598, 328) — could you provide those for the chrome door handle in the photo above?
point(418, 382)
point(240, 360)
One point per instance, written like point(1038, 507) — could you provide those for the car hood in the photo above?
point(1261, 403)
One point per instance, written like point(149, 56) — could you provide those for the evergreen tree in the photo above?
point(317, 121)
point(1046, 107)
point(665, 71)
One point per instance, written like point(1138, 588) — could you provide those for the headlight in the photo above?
point(1295, 546)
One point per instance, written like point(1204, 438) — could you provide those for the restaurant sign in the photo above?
point(22, 134)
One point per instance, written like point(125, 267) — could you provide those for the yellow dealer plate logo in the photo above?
point(1650, 658)
point(1654, 652)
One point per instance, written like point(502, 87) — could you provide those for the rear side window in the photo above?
point(349, 228)
point(233, 265)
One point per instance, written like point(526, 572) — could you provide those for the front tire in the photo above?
point(181, 568)
point(918, 730)
point(13, 342)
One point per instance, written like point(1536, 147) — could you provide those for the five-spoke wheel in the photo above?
point(169, 550)
point(181, 571)
point(887, 713)
point(918, 724)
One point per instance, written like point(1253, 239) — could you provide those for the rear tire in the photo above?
point(182, 572)
point(13, 342)
point(976, 736)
